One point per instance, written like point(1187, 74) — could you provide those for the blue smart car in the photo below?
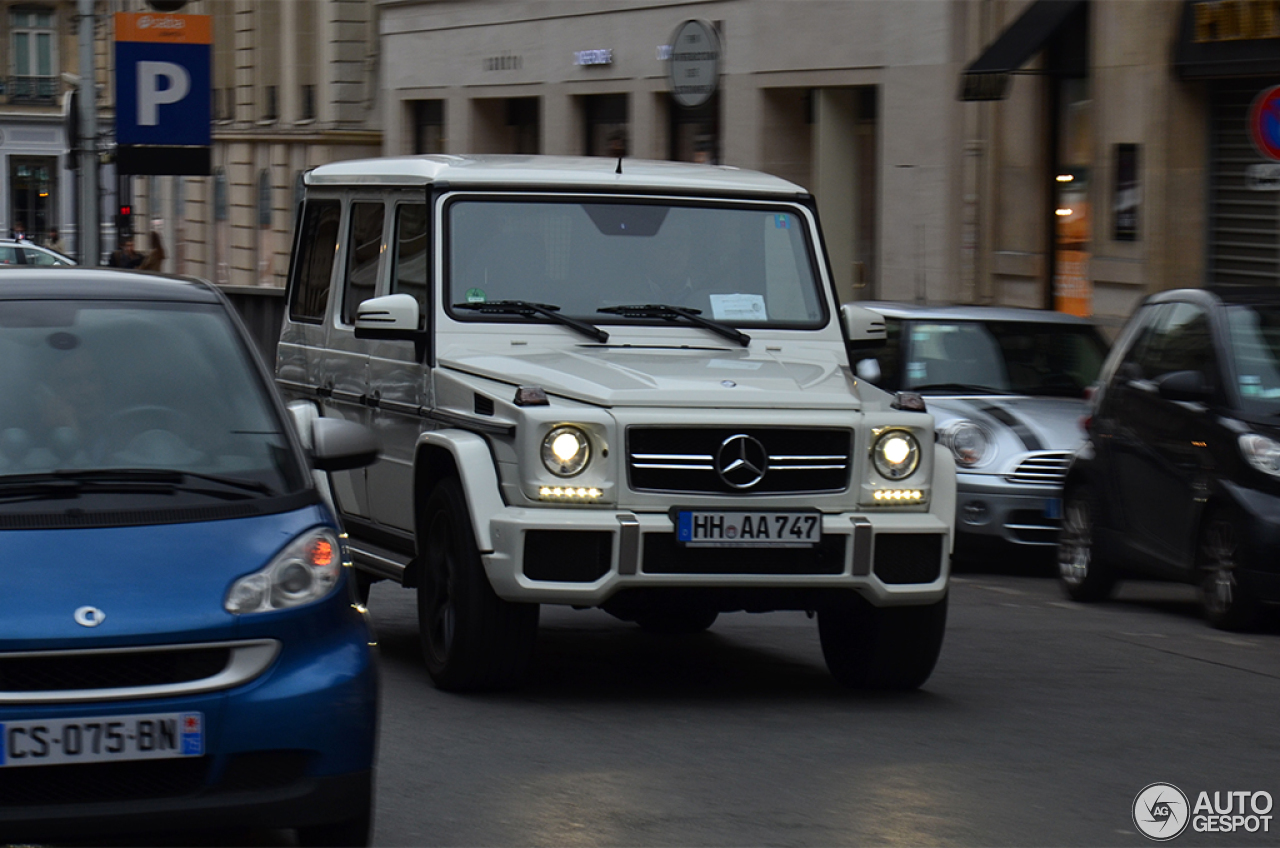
point(180, 642)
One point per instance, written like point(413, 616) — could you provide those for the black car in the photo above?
point(1180, 475)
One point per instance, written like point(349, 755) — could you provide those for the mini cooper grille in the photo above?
point(785, 460)
point(1047, 469)
point(109, 671)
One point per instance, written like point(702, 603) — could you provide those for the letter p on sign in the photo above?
point(151, 95)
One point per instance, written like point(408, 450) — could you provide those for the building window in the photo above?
point(606, 125)
point(35, 59)
point(271, 103)
point(308, 110)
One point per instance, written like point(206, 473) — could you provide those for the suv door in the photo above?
point(398, 375)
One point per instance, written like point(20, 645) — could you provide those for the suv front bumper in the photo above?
point(888, 558)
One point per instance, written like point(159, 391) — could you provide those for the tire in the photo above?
point(1228, 605)
point(677, 622)
point(354, 832)
point(870, 647)
point(1083, 574)
point(471, 638)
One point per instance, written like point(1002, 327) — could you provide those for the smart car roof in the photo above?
point(577, 172)
point(912, 311)
point(80, 283)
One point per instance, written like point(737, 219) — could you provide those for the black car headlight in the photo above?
point(896, 454)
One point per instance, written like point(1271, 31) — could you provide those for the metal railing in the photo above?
point(43, 90)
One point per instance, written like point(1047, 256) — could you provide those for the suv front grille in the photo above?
point(1046, 469)
point(690, 459)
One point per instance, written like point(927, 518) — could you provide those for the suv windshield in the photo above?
point(1255, 349)
point(748, 265)
point(93, 389)
point(1030, 358)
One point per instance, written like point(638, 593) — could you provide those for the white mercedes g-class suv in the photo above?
point(616, 384)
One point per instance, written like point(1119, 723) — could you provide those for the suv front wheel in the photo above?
point(869, 647)
point(471, 638)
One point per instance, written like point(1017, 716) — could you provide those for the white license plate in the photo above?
point(707, 529)
point(43, 742)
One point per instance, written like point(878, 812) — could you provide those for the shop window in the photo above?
point(695, 133)
point(605, 122)
point(428, 126)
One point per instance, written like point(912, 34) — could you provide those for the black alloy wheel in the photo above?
point(1228, 605)
point(1084, 575)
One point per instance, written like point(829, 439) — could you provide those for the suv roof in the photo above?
point(78, 283)
point(579, 172)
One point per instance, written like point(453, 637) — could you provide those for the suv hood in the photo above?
point(810, 377)
point(156, 584)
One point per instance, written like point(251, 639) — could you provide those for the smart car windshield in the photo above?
point(1255, 349)
point(741, 265)
point(123, 397)
point(1030, 358)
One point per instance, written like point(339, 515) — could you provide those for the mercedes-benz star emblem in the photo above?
point(90, 616)
point(742, 461)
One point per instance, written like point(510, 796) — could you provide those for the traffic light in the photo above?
point(124, 219)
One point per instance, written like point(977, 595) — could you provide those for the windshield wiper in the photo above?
point(71, 483)
point(546, 310)
point(966, 388)
point(673, 313)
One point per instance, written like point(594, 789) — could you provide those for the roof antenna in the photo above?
point(619, 171)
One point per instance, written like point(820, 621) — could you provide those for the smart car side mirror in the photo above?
point(339, 445)
point(1183, 386)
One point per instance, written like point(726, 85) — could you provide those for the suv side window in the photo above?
point(409, 274)
point(313, 270)
point(364, 247)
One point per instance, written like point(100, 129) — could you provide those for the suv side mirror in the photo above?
point(862, 327)
point(1183, 386)
point(392, 316)
point(339, 445)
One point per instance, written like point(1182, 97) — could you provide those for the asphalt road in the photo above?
point(1042, 722)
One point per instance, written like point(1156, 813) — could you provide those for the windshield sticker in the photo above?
point(738, 307)
point(916, 370)
point(735, 364)
point(782, 221)
point(1250, 385)
point(476, 296)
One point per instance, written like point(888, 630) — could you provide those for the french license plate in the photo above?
point(1053, 508)
point(149, 736)
point(731, 529)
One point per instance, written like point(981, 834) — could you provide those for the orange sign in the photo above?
point(157, 27)
point(1072, 292)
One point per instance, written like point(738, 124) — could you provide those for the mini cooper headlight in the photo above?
point(1261, 452)
point(968, 442)
point(303, 572)
point(896, 454)
point(566, 450)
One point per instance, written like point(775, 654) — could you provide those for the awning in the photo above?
point(987, 77)
point(1228, 38)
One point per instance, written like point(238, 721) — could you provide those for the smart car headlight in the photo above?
point(305, 571)
point(967, 441)
point(566, 450)
point(896, 454)
point(1262, 453)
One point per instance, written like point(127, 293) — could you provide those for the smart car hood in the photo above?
point(670, 376)
point(1040, 424)
point(153, 584)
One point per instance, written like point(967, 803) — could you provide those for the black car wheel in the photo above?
point(1084, 575)
point(471, 638)
point(1227, 604)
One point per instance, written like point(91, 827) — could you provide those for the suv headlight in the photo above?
point(1261, 452)
point(566, 450)
point(968, 442)
point(896, 454)
point(305, 571)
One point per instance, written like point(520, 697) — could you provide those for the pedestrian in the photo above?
point(126, 256)
point(55, 241)
point(19, 231)
point(155, 259)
